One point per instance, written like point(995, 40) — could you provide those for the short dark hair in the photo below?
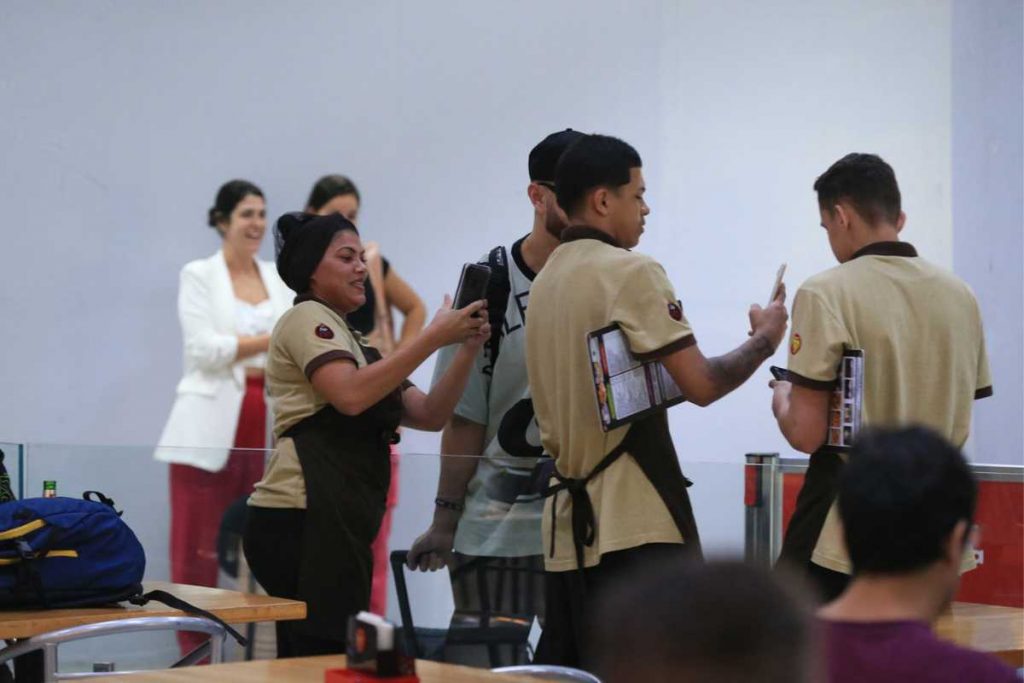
point(688, 621)
point(228, 196)
point(328, 187)
point(866, 182)
point(900, 495)
point(592, 161)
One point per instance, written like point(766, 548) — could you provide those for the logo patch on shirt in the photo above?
point(324, 332)
point(675, 311)
point(794, 344)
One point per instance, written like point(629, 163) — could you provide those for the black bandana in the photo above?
point(301, 240)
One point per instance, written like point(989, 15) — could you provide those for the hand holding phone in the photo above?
point(472, 284)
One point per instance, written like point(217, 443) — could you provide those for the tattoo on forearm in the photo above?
point(732, 369)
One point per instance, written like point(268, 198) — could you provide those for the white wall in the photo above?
point(988, 205)
point(120, 119)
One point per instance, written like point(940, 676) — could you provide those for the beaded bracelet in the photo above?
point(449, 504)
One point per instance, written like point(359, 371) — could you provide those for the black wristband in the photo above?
point(449, 504)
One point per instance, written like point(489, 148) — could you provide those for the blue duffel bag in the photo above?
point(67, 552)
point(70, 552)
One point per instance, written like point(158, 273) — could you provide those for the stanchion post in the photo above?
point(760, 500)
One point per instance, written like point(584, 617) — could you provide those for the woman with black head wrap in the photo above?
point(337, 405)
point(386, 292)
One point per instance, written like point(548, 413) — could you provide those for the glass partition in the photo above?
point(140, 487)
point(740, 507)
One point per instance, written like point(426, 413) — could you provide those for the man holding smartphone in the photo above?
point(917, 327)
point(487, 506)
point(620, 499)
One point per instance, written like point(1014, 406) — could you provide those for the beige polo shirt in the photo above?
point(924, 351)
point(308, 336)
point(589, 283)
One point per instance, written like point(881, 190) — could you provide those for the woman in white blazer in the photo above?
point(228, 304)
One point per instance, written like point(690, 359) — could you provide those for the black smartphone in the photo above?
point(472, 284)
point(778, 373)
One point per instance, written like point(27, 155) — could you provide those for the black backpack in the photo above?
point(498, 290)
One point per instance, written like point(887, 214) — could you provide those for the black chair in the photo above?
point(496, 622)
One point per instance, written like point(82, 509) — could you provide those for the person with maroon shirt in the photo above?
point(906, 499)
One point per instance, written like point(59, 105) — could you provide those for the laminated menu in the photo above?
point(847, 403)
point(626, 388)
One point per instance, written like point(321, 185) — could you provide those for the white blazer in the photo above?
point(203, 420)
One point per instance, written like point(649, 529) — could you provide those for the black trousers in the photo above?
point(273, 547)
point(572, 596)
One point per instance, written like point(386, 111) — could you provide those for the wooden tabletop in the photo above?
point(303, 670)
point(231, 606)
point(989, 628)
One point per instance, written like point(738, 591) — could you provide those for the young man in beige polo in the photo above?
point(917, 327)
point(619, 497)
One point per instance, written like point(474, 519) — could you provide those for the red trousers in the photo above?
point(379, 587)
point(199, 499)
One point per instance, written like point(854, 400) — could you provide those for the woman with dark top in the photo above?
point(384, 290)
point(337, 406)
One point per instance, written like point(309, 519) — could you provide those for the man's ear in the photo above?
point(599, 201)
point(900, 221)
point(536, 196)
point(957, 541)
point(843, 216)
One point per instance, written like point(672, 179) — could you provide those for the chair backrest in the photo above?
point(505, 586)
point(546, 672)
point(398, 558)
point(490, 623)
point(48, 642)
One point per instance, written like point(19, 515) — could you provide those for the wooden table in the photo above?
point(231, 606)
point(303, 670)
point(989, 628)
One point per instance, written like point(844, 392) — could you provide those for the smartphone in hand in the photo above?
point(472, 284)
point(778, 283)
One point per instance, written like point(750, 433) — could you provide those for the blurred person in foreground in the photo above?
point(906, 500)
point(687, 622)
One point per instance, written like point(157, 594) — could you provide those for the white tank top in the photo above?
point(252, 320)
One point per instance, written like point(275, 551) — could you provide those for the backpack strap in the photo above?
point(498, 289)
point(97, 497)
point(175, 602)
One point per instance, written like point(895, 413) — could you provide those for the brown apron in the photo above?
point(347, 469)
point(649, 443)
point(812, 505)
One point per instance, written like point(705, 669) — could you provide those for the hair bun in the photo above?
point(288, 222)
point(212, 217)
point(287, 225)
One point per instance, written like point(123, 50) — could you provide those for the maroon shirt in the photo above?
point(901, 651)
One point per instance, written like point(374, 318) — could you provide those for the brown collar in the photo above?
point(886, 249)
point(585, 232)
